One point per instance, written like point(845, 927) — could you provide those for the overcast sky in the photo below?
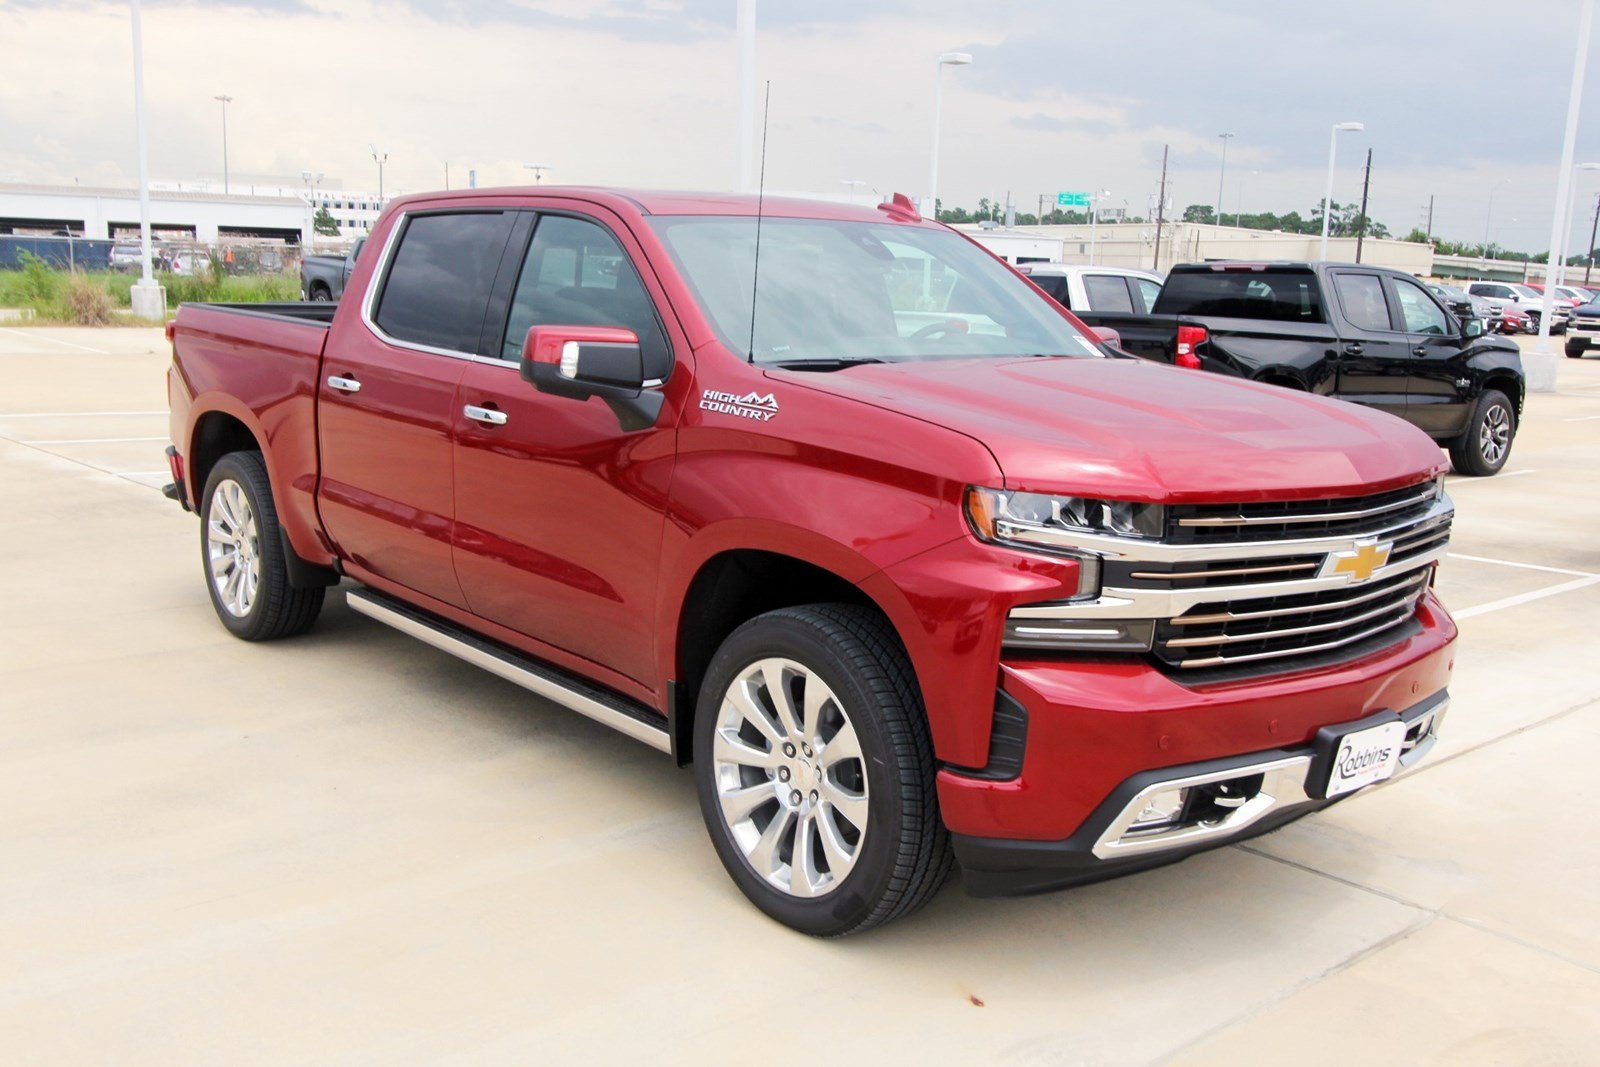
point(1456, 97)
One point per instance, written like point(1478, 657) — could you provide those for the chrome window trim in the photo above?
point(380, 274)
point(1140, 551)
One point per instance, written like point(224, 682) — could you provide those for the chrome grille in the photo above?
point(1249, 630)
point(1281, 520)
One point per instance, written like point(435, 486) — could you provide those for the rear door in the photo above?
point(387, 406)
point(559, 511)
point(1373, 356)
point(1438, 390)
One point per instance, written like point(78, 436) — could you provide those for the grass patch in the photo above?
point(77, 298)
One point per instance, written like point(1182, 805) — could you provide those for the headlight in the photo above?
point(1036, 520)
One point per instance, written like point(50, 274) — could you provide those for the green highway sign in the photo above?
point(1072, 200)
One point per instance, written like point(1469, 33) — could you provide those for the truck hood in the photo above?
point(1135, 430)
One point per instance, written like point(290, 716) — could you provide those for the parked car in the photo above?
point(1109, 291)
point(1526, 299)
point(873, 538)
point(126, 256)
point(324, 277)
point(1514, 320)
point(1466, 307)
point(1365, 334)
point(1584, 333)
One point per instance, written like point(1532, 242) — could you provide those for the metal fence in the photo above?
point(175, 255)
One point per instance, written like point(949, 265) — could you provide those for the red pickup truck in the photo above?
point(835, 507)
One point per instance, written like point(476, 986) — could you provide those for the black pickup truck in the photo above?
point(1360, 333)
point(323, 277)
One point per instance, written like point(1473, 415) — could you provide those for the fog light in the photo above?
point(1161, 811)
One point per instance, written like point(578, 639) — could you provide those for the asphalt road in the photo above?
point(349, 848)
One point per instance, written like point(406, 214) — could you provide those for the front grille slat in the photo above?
point(1288, 519)
point(1406, 603)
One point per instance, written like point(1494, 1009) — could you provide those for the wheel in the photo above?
point(241, 548)
point(1533, 322)
point(321, 293)
point(1483, 449)
point(1575, 349)
point(815, 770)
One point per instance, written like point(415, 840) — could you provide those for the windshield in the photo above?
point(837, 292)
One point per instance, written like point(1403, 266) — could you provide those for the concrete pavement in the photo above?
point(351, 848)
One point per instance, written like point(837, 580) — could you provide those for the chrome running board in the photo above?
point(609, 709)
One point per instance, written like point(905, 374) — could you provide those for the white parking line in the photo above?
point(95, 440)
point(1584, 418)
point(1524, 598)
point(72, 414)
point(55, 341)
point(1463, 480)
point(1524, 566)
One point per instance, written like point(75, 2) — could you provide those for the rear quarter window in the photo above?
point(1273, 296)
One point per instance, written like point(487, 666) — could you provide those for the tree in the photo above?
point(322, 223)
point(1199, 213)
point(1416, 236)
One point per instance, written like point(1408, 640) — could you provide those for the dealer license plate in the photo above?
point(1365, 757)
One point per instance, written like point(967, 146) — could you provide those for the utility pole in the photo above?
point(225, 101)
point(447, 175)
point(1361, 224)
point(1161, 208)
point(1428, 234)
point(1041, 209)
point(1588, 259)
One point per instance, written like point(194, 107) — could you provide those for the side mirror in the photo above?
point(583, 361)
point(1473, 328)
point(1107, 335)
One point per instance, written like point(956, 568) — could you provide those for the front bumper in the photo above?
point(1286, 785)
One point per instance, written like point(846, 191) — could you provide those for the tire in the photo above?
point(321, 293)
point(1484, 448)
point(883, 784)
point(242, 554)
point(1575, 349)
point(1533, 322)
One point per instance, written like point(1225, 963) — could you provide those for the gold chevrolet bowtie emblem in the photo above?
point(1360, 564)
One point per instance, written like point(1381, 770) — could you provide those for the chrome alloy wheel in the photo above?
point(233, 548)
point(790, 778)
point(1494, 436)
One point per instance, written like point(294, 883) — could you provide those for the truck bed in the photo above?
point(310, 312)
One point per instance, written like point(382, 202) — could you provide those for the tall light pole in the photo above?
point(1094, 219)
point(538, 171)
point(1540, 366)
point(149, 300)
point(380, 158)
point(1556, 274)
point(947, 59)
point(853, 184)
point(225, 101)
point(1327, 200)
point(1488, 215)
point(1222, 172)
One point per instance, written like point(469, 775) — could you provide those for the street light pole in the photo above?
point(1327, 200)
point(1540, 366)
point(226, 100)
point(852, 184)
point(538, 171)
point(149, 300)
point(1488, 215)
point(1222, 173)
point(379, 158)
point(947, 59)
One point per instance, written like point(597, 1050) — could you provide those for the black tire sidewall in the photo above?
point(784, 634)
point(248, 470)
point(1467, 454)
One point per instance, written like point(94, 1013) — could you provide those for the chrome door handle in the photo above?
point(344, 385)
point(487, 416)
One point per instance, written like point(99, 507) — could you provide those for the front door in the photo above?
point(387, 399)
point(1371, 354)
point(559, 511)
point(1438, 388)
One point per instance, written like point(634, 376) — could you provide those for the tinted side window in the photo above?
point(1275, 296)
point(1421, 314)
point(1147, 291)
point(1361, 296)
point(438, 284)
point(1107, 292)
point(1055, 285)
point(575, 274)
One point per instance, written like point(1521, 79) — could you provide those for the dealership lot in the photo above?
point(351, 847)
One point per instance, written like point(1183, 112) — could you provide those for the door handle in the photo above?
point(1420, 350)
point(344, 385)
point(486, 416)
point(1354, 348)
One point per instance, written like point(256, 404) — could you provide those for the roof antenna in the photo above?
point(761, 193)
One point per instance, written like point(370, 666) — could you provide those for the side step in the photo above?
point(618, 712)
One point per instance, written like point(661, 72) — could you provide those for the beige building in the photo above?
point(1133, 244)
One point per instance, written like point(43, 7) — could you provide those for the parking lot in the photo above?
point(352, 848)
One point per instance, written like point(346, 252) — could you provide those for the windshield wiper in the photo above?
point(825, 364)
